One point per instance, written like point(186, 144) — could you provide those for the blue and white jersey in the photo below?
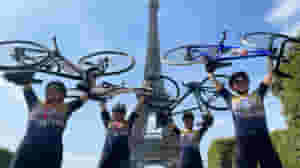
point(248, 111)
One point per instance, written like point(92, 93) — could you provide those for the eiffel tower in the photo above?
point(154, 150)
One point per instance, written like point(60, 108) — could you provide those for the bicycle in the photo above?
point(257, 44)
point(32, 56)
point(204, 92)
point(106, 90)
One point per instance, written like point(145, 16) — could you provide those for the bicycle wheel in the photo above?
point(172, 93)
point(279, 44)
point(209, 96)
point(265, 40)
point(190, 54)
point(108, 62)
point(25, 54)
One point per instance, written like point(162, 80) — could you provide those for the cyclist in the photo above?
point(117, 147)
point(42, 144)
point(249, 118)
point(190, 138)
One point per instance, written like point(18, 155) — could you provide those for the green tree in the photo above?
point(286, 142)
point(5, 157)
point(288, 90)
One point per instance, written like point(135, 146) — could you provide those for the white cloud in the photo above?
point(282, 10)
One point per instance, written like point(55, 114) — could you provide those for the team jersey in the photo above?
point(190, 139)
point(117, 147)
point(248, 111)
point(47, 116)
point(42, 145)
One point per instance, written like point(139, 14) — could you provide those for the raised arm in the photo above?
point(207, 123)
point(76, 104)
point(264, 85)
point(30, 97)
point(217, 84)
point(104, 114)
point(221, 90)
point(25, 80)
point(137, 111)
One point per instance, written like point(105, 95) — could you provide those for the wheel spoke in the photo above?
point(108, 62)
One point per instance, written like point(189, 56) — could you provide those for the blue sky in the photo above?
point(83, 26)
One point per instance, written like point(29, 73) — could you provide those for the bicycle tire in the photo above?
point(128, 68)
point(26, 66)
point(171, 100)
point(206, 102)
point(273, 35)
point(276, 59)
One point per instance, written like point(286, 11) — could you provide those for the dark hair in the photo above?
point(119, 108)
point(236, 75)
point(188, 115)
point(60, 86)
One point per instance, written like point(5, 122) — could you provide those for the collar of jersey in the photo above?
point(244, 95)
point(45, 104)
point(122, 123)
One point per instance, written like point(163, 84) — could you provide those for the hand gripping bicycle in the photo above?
point(107, 90)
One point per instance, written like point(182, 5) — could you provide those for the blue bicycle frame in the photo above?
point(221, 55)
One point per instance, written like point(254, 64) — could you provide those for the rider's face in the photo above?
point(188, 123)
point(54, 96)
point(241, 85)
point(118, 116)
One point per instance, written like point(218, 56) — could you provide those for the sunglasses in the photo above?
point(240, 79)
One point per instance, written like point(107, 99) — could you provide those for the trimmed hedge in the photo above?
point(221, 153)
